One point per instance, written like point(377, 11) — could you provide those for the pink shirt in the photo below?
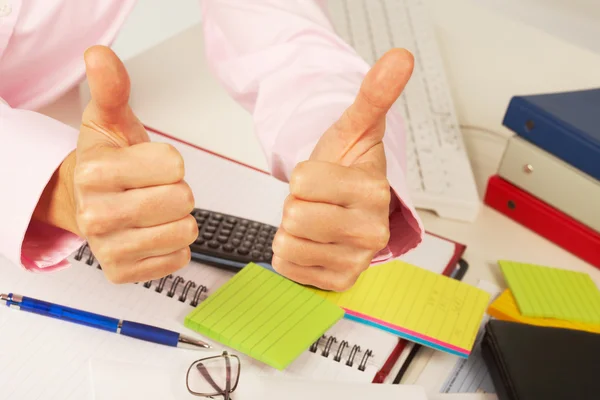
point(280, 59)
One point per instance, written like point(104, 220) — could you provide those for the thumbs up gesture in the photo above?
point(336, 217)
point(132, 204)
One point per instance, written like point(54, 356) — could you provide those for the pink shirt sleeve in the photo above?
point(33, 148)
point(284, 63)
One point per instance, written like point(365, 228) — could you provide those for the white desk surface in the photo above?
point(489, 59)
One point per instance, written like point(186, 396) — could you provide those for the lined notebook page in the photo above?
point(265, 316)
point(45, 358)
point(552, 292)
point(416, 304)
point(505, 308)
point(31, 343)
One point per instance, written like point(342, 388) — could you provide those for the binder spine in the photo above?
point(186, 291)
point(543, 219)
point(548, 132)
point(342, 352)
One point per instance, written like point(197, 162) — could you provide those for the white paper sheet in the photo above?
point(123, 381)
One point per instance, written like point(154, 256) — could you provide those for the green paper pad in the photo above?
point(264, 316)
point(552, 292)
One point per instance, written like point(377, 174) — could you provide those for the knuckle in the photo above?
point(280, 243)
point(175, 161)
point(187, 256)
point(380, 236)
point(299, 177)
point(341, 284)
point(90, 222)
point(112, 273)
point(189, 229)
point(380, 192)
point(115, 277)
point(183, 258)
point(188, 197)
point(108, 258)
point(291, 220)
point(277, 263)
point(89, 173)
point(357, 266)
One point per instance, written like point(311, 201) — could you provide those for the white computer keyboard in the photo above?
point(439, 172)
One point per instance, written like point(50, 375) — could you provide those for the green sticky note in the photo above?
point(264, 316)
point(552, 292)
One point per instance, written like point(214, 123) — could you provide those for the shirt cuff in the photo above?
point(35, 146)
point(406, 228)
point(45, 248)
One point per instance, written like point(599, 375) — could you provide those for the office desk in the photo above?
point(488, 59)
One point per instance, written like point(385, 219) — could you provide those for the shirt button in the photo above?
point(5, 10)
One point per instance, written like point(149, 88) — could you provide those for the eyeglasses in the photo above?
point(214, 376)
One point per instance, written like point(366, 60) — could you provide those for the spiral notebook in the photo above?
point(359, 348)
point(348, 352)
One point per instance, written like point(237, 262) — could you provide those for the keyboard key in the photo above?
point(213, 222)
point(255, 225)
point(227, 225)
point(244, 222)
point(225, 232)
point(256, 255)
point(243, 251)
point(261, 240)
point(207, 235)
point(263, 234)
point(236, 242)
point(210, 229)
point(241, 228)
point(253, 231)
point(238, 235)
point(217, 217)
point(259, 246)
point(213, 244)
point(250, 238)
point(222, 239)
point(228, 247)
point(247, 244)
point(203, 213)
point(199, 241)
point(268, 255)
point(231, 220)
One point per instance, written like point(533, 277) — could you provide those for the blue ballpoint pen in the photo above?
point(126, 328)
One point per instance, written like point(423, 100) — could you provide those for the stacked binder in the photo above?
point(549, 176)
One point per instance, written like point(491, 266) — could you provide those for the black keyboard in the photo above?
point(231, 242)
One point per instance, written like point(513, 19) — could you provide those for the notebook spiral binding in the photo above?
point(84, 254)
point(353, 354)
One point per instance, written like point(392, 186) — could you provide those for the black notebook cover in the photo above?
point(529, 362)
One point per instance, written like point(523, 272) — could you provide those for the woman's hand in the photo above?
point(131, 202)
point(336, 217)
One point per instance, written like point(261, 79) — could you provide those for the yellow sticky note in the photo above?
point(505, 308)
point(416, 304)
point(546, 292)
